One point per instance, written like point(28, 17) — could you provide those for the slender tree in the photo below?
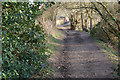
point(119, 41)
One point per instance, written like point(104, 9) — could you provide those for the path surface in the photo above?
point(80, 57)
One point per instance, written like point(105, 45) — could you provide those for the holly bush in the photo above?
point(23, 42)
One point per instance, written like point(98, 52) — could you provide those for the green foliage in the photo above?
point(23, 43)
point(98, 33)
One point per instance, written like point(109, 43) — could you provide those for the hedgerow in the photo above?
point(23, 42)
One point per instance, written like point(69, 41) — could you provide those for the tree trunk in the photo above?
point(71, 21)
point(82, 20)
point(119, 43)
point(90, 23)
point(91, 20)
point(86, 24)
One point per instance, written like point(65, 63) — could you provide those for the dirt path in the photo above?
point(80, 58)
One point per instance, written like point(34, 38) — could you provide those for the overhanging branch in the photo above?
point(81, 7)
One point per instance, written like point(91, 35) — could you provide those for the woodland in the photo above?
point(27, 27)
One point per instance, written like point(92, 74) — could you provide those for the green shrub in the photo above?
point(98, 32)
point(23, 43)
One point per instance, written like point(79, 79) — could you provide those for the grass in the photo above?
point(111, 53)
point(54, 45)
point(54, 42)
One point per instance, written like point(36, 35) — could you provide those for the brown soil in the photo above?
point(80, 57)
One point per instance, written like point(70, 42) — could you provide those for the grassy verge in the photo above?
point(111, 53)
point(54, 42)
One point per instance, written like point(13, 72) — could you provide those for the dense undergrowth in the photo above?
point(24, 43)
